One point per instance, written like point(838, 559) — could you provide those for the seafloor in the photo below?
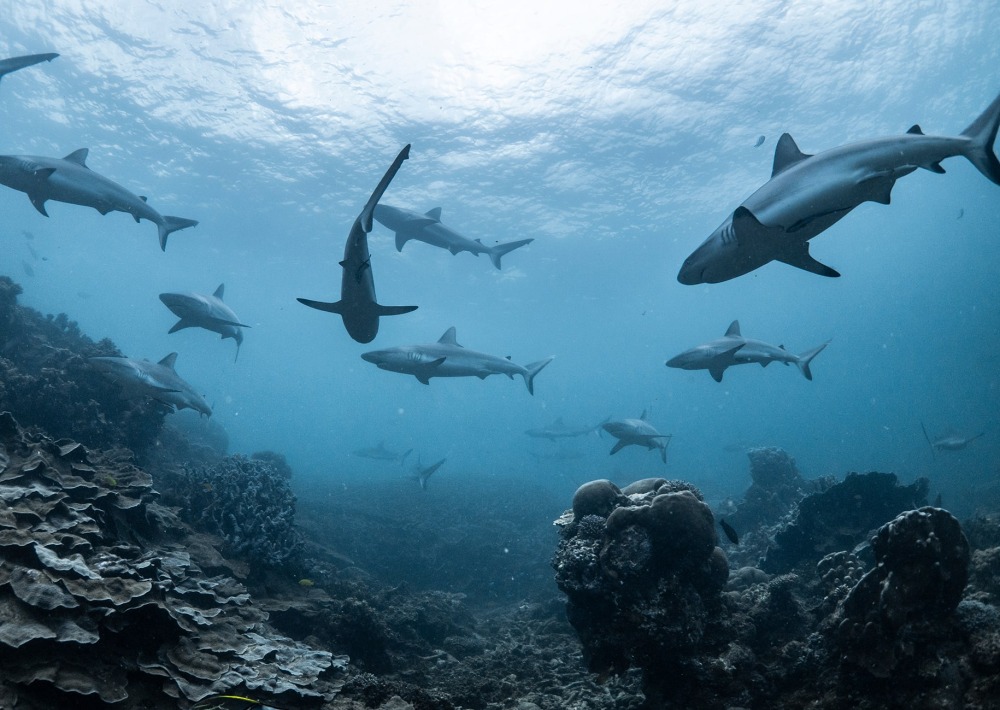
point(143, 565)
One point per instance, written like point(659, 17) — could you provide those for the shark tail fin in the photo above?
point(391, 310)
point(367, 214)
point(402, 459)
point(169, 225)
point(929, 442)
point(532, 370)
point(337, 307)
point(983, 135)
point(500, 249)
point(806, 358)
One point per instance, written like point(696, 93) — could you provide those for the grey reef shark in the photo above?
point(70, 180)
point(422, 474)
point(380, 453)
point(733, 349)
point(637, 432)
point(196, 310)
point(429, 229)
point(446, 358)
point(159, 380)
point(952, 441)
point(357, 305)
point(559, 430)
point(12, 64)
point(807, 194)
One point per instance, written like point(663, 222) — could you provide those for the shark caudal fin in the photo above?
point(983, 135)
point(500, 249)
point(337, 307)
point(169, 225)
point(367, 213)
point(532, 370)
point(806, 357)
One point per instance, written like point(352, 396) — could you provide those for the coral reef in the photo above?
point(643, 581)
point(45, 381)
point(99, 605)
point(246, 501)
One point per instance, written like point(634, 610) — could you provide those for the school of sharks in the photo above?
point(805, 195)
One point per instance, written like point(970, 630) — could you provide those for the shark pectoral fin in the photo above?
point(716, 373)
point(428, 371)
point(181, 325)
point(39, 203)
point(43, 173)
point(235, 324)
point(337, 307)
point(879, 188)
point(401, 239)
point(455, 250)
point(799, 258)
point(393, 310)
point(618, 447)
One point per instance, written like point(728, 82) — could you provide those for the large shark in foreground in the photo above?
point(428, 228)
point(196, 310)
point(70, 180)
point(357, 305)
point(159, 380)
point(637, 432)
point(446, 358)
point(12, 64)
point(809, 193)
point(733, 349)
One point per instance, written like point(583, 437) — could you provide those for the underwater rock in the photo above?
point(96, 605)
point(777, 486)
point(643, 585)
point(841, 517)
point(922, 562)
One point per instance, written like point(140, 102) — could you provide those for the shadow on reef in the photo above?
point(45, 379)
point(888, 626)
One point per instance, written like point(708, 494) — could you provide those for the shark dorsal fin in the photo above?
point(733, 331)
point(915, 130)
point(169, 360)
point(143, 198)
point(786, 154)
point(79, 157)
point(449, 338)
point(643, 415)
point(219, 291)
point(434, 213)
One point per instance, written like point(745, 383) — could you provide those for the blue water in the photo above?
point(617, 138)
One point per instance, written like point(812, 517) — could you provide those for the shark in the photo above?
point(421, 473)
point(159, 380)
point(12, 64)
point(733, 349)
point(70, 180)
point(807, 194)
point(357, 305)
point(637, 432)
point(428, 228)
point(196, 310)
point(559, 430)
point(446, 358)
point(380, 453)
point(949, 442)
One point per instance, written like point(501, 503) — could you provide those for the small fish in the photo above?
point(306, 582)
point(27, 268)
point(231, 702)
point(760, 142)
point(730, 532)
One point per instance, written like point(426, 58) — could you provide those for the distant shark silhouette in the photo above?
point(559, 430)
point(733, 349)
point(428, 228)
point(357, 305)
point(14, 63)
point(159, 380)
point(949, 442)
point(380, 453)
point(446, 358)
point(70, 180)
point(637, 432)
point(809, 193)
point(196, 310)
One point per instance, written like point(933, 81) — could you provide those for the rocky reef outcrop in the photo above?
point(106, 597)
